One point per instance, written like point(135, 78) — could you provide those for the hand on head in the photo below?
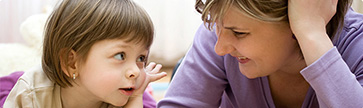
point(310, 15)
point(308, 20)
point(151, 73)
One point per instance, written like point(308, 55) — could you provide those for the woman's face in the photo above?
point(261, 48)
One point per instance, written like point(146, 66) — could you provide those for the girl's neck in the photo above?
point(77, 97)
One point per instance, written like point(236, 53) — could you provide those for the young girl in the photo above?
point(94, 55)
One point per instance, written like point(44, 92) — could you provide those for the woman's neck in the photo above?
point(290, 73)
point(77, 97)
point(292, 67)
point(288, 87)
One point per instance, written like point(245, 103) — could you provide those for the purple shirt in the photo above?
point(206, 80)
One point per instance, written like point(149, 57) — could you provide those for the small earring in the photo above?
point(74, 76)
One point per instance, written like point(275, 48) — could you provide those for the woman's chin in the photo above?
point(249, 74)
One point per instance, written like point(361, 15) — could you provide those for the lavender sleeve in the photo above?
point(148, 100)
point(337, 77)
point(200, 80)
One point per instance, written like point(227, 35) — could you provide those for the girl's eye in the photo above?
point(120, 56)
point(240, 34)
point(141, 59)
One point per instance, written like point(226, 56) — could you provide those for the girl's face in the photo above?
point(112, 70)
point(261, 48)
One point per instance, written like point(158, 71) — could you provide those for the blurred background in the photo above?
point(175, 21)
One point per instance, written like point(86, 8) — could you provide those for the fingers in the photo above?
point(153, 68)
point(157, 76)
point(152, 71)
point(156, 69)
point(150, 66)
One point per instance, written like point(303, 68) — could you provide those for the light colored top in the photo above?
point(206, 80)
point(35, 90)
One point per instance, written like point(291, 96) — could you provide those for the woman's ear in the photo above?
point(69, 62)
point(293, 36)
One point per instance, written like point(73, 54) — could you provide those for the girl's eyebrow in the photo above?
point(124, 46)
point(121, 46)
point(127, 46)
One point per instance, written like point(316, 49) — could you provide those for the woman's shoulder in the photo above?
point(350, 41)
point(352, 31)
point(353, 20)
point(353, 26)
point(204, 34)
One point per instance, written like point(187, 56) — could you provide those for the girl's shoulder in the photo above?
point(34, 89)
point(35, 78)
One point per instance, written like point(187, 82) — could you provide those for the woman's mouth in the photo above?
point(243, 60)
point(127, 91)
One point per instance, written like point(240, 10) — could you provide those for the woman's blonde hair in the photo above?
point(78, 24)
point(264, 10)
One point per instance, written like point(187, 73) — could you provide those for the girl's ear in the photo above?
point(69, 63)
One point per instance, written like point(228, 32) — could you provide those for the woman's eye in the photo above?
point(240, 34)
point(120, 56)
point(141, 59)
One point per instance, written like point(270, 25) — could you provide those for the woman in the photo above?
point(274, 53)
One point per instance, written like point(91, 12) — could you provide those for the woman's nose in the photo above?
point(223, 45)
point(133, 72)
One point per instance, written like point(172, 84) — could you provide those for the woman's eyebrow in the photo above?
point(235, 28)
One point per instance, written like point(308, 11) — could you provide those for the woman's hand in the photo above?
point(310, 15)
point(149, 74)
point(308, 19)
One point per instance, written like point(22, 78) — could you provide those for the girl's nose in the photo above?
point(133, 72)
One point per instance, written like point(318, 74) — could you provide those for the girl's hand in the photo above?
point(149, 74)
point(308, 19)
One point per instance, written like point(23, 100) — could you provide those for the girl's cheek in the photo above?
point(140, 79)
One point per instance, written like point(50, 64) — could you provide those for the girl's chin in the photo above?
point(119, 104)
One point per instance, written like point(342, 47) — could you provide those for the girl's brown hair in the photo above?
point(77, 24)
point(265, 10)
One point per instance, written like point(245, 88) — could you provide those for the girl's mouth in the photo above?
point(127, 91)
